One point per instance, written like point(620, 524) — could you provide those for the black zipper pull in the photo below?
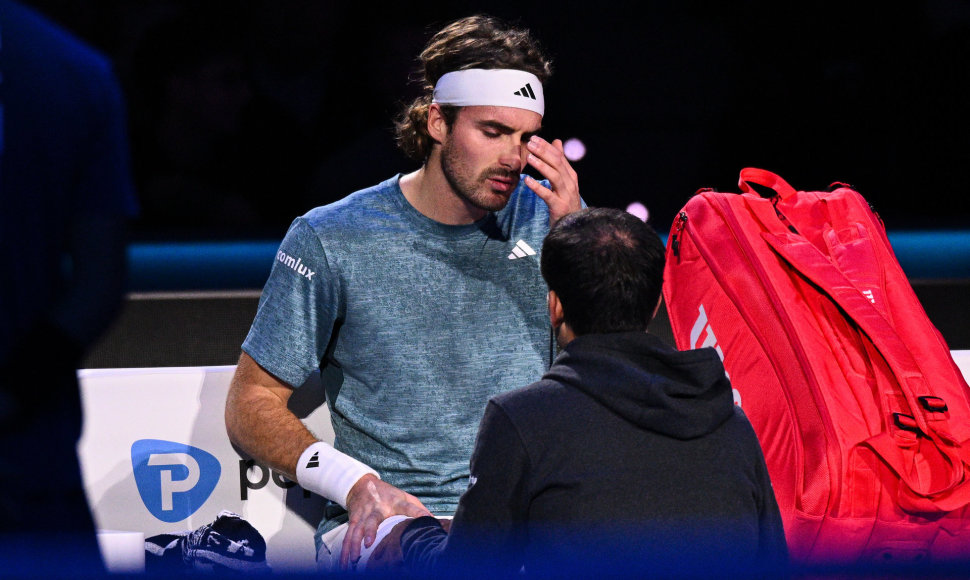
point(675, 242)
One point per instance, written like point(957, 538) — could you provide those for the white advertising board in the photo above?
point(156, 459)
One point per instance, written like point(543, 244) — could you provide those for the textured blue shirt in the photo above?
point(415, 325)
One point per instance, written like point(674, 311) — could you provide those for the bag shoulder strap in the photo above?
point(949, 487)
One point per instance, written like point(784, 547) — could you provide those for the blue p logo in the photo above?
point(173, 479)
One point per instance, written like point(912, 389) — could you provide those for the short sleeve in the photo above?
point(297, 309)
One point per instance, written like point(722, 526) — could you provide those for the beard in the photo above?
point(474, 189)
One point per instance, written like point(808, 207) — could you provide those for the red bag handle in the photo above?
point(766, 178)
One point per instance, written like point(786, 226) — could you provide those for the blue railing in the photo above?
point(231, 265)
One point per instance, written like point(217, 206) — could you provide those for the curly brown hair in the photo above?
point(478, 41)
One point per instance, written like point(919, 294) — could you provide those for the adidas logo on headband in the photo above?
point(490, 87)
point(526, 92)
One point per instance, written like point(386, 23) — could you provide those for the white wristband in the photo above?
point(330, 473)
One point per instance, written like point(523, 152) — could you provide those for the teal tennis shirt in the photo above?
point(414, 325)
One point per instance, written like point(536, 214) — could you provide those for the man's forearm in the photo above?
point(259, 422)
point(422, 541)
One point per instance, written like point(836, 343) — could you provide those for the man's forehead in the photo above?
point(512, 117)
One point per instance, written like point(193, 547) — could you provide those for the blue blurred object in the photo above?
point(181, 266)
point(233, 265)
point(943, 254)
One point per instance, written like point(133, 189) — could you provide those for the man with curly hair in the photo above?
point(418, 298)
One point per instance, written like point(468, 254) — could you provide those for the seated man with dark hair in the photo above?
point(627, 458)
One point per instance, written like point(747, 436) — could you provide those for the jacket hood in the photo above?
point(681, 394)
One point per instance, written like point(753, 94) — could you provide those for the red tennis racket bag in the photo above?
point(862, 414)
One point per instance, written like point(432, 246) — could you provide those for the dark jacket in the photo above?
point(628, 457)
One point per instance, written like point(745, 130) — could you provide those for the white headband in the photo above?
point(495, 87)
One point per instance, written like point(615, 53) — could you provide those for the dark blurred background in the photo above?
point(246, 114)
